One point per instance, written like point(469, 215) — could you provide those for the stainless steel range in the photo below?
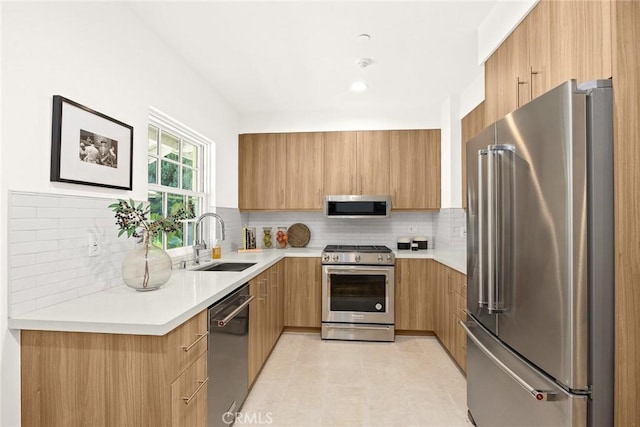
point(357, 293)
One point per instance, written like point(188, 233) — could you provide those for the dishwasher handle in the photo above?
point(223, 322)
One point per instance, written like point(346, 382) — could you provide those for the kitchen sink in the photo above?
point(227, 266)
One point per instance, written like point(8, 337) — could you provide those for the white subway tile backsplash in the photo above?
point(42, 200)
point(33, 247)
point(20, 260)
point(22, 236)
point(24, 212)
point(33, 224)
point(24, 307)
point(48, 242)
point(56, 298)
point(22, 284)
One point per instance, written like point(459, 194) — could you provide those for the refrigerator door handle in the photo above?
point(499, 187)
point(539, 395)
point(482, 159)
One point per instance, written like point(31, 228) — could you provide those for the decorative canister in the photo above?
point(267, 243)
point(282, 238)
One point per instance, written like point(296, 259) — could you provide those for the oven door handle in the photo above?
point(358, 269)
point(368, 328)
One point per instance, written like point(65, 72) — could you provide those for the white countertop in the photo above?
point(122, 310)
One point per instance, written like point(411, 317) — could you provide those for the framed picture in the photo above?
point(90, 148)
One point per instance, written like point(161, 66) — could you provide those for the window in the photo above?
point(176, 169)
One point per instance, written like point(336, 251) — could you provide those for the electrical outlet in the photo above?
point(413, 229)
point(94, 245)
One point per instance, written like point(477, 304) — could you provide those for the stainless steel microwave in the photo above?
point(356, 206)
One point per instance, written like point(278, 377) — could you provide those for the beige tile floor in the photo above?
point(311, 382)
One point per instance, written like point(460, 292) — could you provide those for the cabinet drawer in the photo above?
point(189, 396)
point(186, 343)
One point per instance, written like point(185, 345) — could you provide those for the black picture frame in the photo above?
point(90, 148)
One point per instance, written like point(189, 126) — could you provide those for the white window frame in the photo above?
point(164, 122)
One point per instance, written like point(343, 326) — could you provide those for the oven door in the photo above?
point(357, 294)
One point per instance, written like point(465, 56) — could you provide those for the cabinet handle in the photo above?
point(189, 347)
point(188, 400)
point(518, 83)
point(531, 74)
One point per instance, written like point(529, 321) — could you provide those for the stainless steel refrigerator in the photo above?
point(540, 263)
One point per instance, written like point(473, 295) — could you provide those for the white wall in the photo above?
point(503, 18)
point(450, 154)
point(98, 54)
point(311, 121)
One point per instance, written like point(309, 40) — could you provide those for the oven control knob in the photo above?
point(326, 257)
point(357, 258)
point(378, 306)
point(379, 257)
point(388, 257)
point(335, 258)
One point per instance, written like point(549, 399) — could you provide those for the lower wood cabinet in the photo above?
point(303, 293)
point(414, 294)
point(88, 379)
point(451, 301)
point(265, 316)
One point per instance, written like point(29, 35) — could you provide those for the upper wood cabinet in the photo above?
point(356, 162)
point(415, 169)
point(557, 41)
point(372, 172)
point(518, 70)
point(261, 171)
point(304, 168)
point(340, 162)
point(293, 171)
point(471, 124)
point(580, 40)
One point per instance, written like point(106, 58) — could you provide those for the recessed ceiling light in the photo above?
point(364, 37)
point(358, 86)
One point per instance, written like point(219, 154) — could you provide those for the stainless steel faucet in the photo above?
point(199, 243)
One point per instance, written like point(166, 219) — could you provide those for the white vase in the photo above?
point(146, 267)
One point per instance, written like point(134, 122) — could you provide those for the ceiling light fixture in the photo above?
point(364, 37)
point(358, 86)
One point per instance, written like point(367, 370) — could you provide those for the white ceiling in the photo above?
point(292, 56)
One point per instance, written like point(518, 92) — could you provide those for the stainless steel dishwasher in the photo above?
point(228, 356)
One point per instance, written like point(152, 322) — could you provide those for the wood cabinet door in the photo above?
point(256, 309)
point(491, 83)
point(415, 169)
point(339, 163)
point(539, 41)
point(372, 160)
point(279, 270)
point(580, 40)
point(414, 302)
point(304, 170)
point(303, 293)
point(471, 124)
point(261, 171)
point(189, 396)
point(515, 71)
